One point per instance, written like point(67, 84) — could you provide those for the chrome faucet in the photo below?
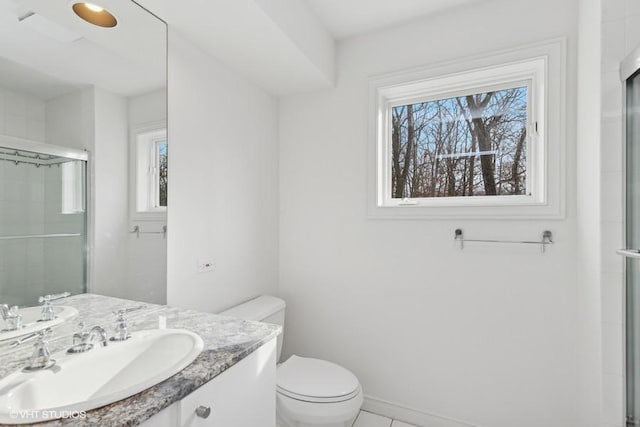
point(101, 333)
point(13, 320)
point(121, 328)
point(41, 357)
point(4, 311)
point(83, 341)
point(48, 313)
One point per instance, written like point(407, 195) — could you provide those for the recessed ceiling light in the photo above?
point(92, 7)
point(94, 14)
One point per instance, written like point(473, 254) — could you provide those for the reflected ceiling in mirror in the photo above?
point(46, 35)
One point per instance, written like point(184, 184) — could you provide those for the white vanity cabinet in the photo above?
point(242, 396)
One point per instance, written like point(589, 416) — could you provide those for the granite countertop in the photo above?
point(226, 341)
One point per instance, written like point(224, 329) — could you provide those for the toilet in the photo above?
point(309, 392)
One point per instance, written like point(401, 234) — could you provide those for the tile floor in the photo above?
point(367, 419)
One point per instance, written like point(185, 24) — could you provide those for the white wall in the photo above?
point(67, 123)
point(21, 115)
point(147, 254)
point(223, 185)
point(149, 107)
point(110, 191)
point(588, 215)
point(487, 335)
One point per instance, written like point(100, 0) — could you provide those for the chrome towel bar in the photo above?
point(39, 236)
point(138, 232)
point(546, 239)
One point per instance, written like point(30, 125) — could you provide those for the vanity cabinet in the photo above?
point(242, 396)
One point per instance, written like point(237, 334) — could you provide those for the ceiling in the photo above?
point(284, 46)
point(347, 18)
point(280, 45)
point(26, 80)
point(53, 51)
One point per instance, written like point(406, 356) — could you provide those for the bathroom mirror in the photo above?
point(69, 84)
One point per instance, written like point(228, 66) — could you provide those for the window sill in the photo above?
point(422, 212)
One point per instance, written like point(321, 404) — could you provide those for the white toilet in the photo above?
point(310, 392)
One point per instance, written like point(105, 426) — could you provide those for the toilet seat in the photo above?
point(317, 381)
point(312, 399)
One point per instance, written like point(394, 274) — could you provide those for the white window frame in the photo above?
point(542, 69)
point(143, 186)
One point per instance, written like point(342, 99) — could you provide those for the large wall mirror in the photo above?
point(83, 150)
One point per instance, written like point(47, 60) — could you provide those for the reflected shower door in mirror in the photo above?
point(42, 224)
point(66, 82)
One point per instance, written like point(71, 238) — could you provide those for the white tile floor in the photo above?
point(367, 419)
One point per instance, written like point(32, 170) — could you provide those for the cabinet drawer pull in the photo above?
point(203, 411)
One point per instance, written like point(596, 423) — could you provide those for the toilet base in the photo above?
point(295, 413)
point(282, 423)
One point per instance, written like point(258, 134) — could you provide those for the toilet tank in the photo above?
point(265, 308)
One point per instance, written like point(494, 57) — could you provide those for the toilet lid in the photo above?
point(303, 377)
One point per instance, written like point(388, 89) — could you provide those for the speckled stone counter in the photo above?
point(226, 342)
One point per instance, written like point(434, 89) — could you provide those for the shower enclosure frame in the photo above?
point(629, 67)
point(16, 143)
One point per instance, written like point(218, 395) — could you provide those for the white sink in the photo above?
point(84, 381)
point(31, 317)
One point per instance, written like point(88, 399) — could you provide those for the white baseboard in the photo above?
point(409, 415)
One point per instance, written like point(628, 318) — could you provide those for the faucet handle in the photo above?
point(81, 336)
point(121, 329)
point(41, 358)
point(124, 311)
point(53, 297)
point(23, 339)
point(12, 319)
point(13, 311)
point(48, 313)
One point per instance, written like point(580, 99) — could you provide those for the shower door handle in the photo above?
point(629, 253)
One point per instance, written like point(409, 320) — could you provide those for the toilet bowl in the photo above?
point(314, 392)
point(309, 392)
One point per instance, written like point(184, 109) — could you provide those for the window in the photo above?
point(464, 146)
point(480, 138)
point(149, 153)
point(159, 169)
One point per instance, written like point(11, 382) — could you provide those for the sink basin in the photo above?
point(31, 317)
point(84, 381)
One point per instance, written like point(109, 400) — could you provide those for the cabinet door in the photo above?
point(167, 417)
point(242, 396)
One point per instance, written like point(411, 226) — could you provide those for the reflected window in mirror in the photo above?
point(149, 166)
point(160, 173)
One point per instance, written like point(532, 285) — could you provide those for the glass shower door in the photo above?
point(43, 226)
point(633, 241)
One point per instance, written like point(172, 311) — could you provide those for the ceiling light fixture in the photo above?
point(95, 15)
point(92, 7)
